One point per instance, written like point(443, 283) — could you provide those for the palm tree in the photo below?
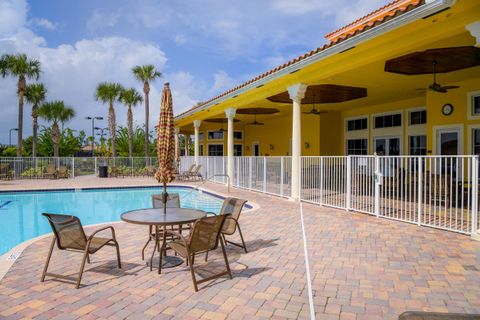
point(35, 94)
point(109, 92)
point(130, 97)
point(55, 112)
point(21, 66)
point(146, 74)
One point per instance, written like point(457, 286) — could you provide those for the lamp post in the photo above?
point(10, 136)
point(93, 130)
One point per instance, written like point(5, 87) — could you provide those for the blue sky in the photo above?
point(201, 47)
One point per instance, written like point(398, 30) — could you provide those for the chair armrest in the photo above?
point(102, 229)
point(210, 214)
point(176, 234)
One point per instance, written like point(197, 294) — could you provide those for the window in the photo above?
point(418, 145)
point(215, 150)
point(418, 117)
point(237, 150)
point(215, 135)
point(476, 141)
point(357, 146)
point(357, 124)
point(237, 135)
point(200, 136)
point(476, 105)
point(388, 121)
point(200, 150)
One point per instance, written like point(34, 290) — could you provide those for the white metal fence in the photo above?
point(435, 191)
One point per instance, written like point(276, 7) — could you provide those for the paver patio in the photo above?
point(362, 268)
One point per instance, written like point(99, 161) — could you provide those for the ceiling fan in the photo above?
point(255, 122)
point(436, 87)
point(314, 110)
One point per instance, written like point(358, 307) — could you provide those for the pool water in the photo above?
point(21, 219)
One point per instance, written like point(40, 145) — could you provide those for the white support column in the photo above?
point(296, 92)
point(230, 113)
point(474, 29)
point(196, 125)
point(187, 144)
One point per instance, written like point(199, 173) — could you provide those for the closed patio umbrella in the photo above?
point(165, 142)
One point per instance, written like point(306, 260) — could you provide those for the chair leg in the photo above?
point(206, 256)
point(241, 237)
point(88, 258)
point(118, 255)
point(192, 272)
point(82, 266)
point(226, 259)
point(153, 254)
point(148, 241)
point(48, 258)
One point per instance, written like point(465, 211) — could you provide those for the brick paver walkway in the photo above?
point(362, 268)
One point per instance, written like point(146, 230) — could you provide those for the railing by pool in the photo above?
point(435, 191)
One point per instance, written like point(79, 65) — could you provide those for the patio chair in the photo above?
point(195, 174)
point(5, 171)
point(421, 315)
point(173, 201)
point(183, 175)
point(114, 172)
point(50, 171)
point(69, 235)
point(150, 171)
point(204, 237)
point(232, 207)
point(63, 172)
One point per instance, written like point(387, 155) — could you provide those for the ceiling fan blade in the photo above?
point(420, 89)
point(450, 87)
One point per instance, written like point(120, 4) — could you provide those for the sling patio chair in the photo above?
point(183, 175)
point(195, 174)
point(5, 172)
point(173, 201)
point(50, 171)
point(204, 237)
point(63, 172)
point(69, 235)
point(232, 207)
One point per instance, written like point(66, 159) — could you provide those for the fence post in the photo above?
point(321, 180)
point(474, 180)
point(95, 166)
point(73, 167)
point(349, 183)
point(281, 177)
point(377, 185)
point(250, 170)
point(264, 174)
point(420, 190)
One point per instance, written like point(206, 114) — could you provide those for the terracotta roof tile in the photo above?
point(377, 17)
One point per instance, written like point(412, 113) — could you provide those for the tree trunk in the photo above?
point(35, 130)
point(111, 128)
point(21, 93)
point(55, 139)
point(146, 90)
point(130, 131)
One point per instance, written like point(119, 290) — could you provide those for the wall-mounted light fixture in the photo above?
point(272, 147)
point(307, 145)
point(247, 148)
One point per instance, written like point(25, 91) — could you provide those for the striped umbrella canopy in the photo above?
point(165, 141)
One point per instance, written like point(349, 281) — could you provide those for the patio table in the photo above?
point(156, 218)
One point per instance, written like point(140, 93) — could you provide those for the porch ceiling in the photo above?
point(382, 87)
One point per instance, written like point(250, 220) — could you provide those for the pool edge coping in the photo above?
point(6, 262)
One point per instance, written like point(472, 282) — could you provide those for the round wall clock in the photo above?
point(447, 109)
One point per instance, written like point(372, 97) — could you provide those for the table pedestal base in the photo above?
point(167, 262)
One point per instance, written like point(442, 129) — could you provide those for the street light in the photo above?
point(10, 136)
point(93, 131)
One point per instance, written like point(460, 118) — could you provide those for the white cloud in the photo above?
point(180, 39)
point(12, 16)
point(101, 19)
point(222, 82)
point(45, 23)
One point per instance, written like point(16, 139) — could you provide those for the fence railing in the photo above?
point(435, 191)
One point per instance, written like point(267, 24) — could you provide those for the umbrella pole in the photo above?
point(164, 198)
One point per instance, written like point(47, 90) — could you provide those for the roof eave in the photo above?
point(429, 8)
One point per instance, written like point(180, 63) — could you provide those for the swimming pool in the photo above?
point(21, 219)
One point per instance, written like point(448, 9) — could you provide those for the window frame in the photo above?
point(208, 135)
point(216, 144)
point(410, 146)
point(384, 115)
point(470, 105)
point(355, 139)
